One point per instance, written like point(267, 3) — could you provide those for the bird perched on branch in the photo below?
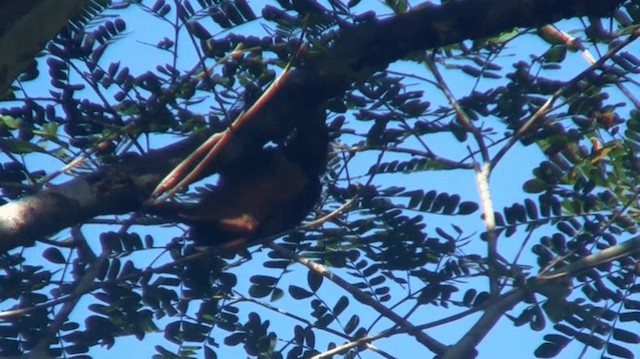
point(267, 191)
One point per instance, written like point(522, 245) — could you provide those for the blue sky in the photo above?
point(504, 340)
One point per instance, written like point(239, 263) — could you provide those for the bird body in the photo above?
point(268, 191)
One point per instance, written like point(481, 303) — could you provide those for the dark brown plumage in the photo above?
point(268, 191)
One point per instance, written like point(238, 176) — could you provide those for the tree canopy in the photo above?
point(483, 167)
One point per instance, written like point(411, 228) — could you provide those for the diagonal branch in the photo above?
point(430, 343)
point(626, 248)
point(465, 346)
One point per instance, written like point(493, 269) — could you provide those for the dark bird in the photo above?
point(267, 191)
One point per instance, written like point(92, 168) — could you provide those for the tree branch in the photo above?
point(357, 52)
point(363, 298)
point(465, 347)
point(113, 189)
point(20, 42)
point(629, 247)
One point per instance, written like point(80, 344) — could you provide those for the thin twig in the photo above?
point(482, 182)
point(310, 325)
point(464, 348)
point(81, 287)
point(461, 116)
point(572, 43)
point(504, 302)
point(430, 343)
point(620, 250)
point(560, 92)
point(329, 216)
point(202, 253)
point(395, 330)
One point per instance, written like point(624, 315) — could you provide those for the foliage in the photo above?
point(380, 249)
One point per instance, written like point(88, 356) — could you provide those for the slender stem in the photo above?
point(432, 344)
point(549, 103)
point(465, 347)
point(482, 182)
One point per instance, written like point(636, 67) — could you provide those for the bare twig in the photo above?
point(331, 215)
point(312, 325)
point(573, 43)
point(623, 249)
point(482, 182)
point(461, 116)
point(395, 330)
point(82, 286)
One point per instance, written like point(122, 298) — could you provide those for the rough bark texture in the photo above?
point(112, 189)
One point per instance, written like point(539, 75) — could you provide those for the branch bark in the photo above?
point(429, 342)
point(25, 27)
point(114, 189)
point(465, 347)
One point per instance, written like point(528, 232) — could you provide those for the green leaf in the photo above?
point(11, 122)
point(341, 305)
point(235, 339)
point(535, 186)
point(503, 37)
point(277, 294)
point(314, 280)
point(259, 291)
point(398, 6)
point(54, 255)
point(263, 280)
point(49, 131)
point(298, 292)
point(625, 336)
point(548, 350)
point(18, 146)
point(352, 324)
point(619, 351)
point(556, 54)
point(467, 207)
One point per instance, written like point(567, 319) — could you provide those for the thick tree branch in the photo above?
point(25, 27)
point(114, 189)
point(377, 43)
point(465, 348)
